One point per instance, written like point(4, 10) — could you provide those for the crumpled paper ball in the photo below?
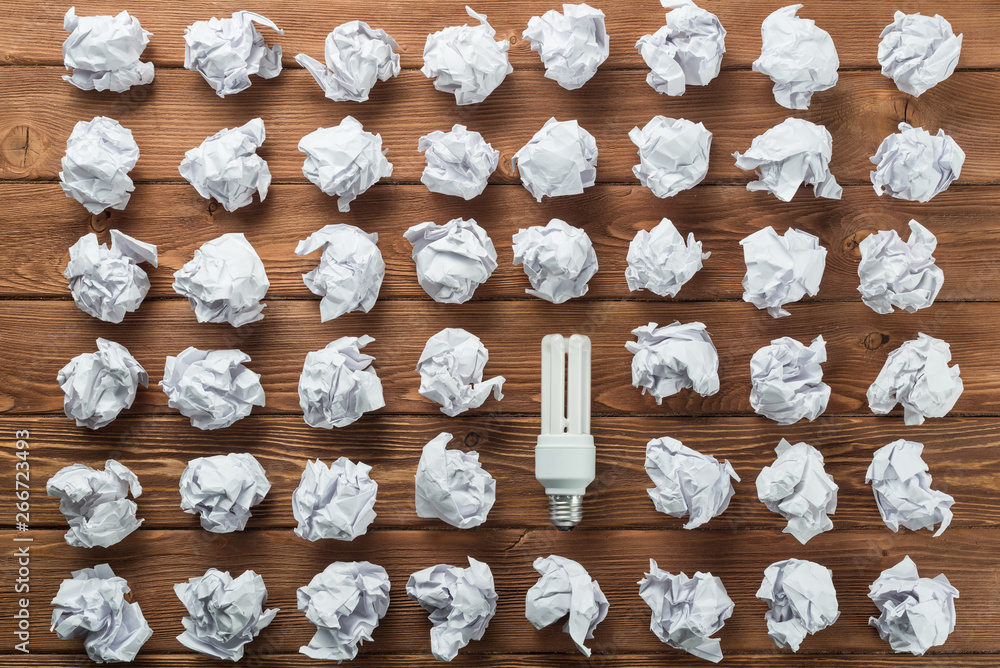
point(902, 486)
point(101, 384)
point(225, 52)
point(659, 261)
point(669, 359)
point(687, 51)
point(461, 603)
point(918, 52)
point(566, 590)
point(95, 503)
point(558, 259)
point(673, 154)
point(452, 485)
point(801, 599)
point(451, 371)
point(781, 269)
point(797, 487)
point(344, 161)
point(899, 273)
point(99, 155)
point(799, 57)
point(791, 153)
point(338, 384)
point(334, 502)
point(915, 613)
point(92, 604)
point(224, 613)
point(917, 376)
point(107, 282)
point(225, 281)
point(560, 159)
point(104, 52)
point(688, 482)
point(459, 162)
point(356, 57)
point(915, 165)
point(222, 489)
point(211, 387)
point(787, 380)
point(226, 167)
point(572, 44)
point(350, 271)
point(686, 611)
point(346, 602)
point(452, 259)
point(466, 61)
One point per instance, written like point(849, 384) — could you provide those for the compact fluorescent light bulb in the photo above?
point(565, 455)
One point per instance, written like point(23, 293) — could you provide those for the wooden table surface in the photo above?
point(42, 330)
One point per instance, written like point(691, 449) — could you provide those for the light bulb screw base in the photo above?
point(565, 510)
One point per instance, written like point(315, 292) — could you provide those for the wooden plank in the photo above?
point(859, 112)
point(962, 453)
point(154, 560)
point(855, 30)
point(166, 215)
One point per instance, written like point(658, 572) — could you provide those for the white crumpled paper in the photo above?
point(356, 57)
point(918, 52)
point(226, 167)
point(92, 604)
point(558, 259)
point(917, 376)
point(345, 602)
point(915, 165)
point(99, 155)
point(659, 261)
point(459, 162)
point(799, 57)
point(224, 613)
point(560, 159)
point(781, 269)
point(915, 613)
point(792, 153)
point(100, 385)
point(787, 380)
point(565, 589)
point(451, 371)
point(466, 61)
point(572, 44)
point(452, 259)
point(797, 487)
point(211, 387)
point(225, 281)
point(344, 161)
point(107, 282)
point(673, 154)
point(452, 485)
point(686, 611)
point(104, 52)
point(687, 51)
point(801, 599)
point(350, 271)
point(899, 273)
point(95, 503)
point(461, 602)
point(669, 359)
point(338, 384)
point(222, 489)
point(227, 51)
point(902, 485)
point(688, 482)
point(334, 502)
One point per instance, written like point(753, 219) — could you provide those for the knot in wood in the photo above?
point(875, 340)
point(21, 148)
point(473, 439)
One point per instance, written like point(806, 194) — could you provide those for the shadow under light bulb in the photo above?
point(565, 455)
